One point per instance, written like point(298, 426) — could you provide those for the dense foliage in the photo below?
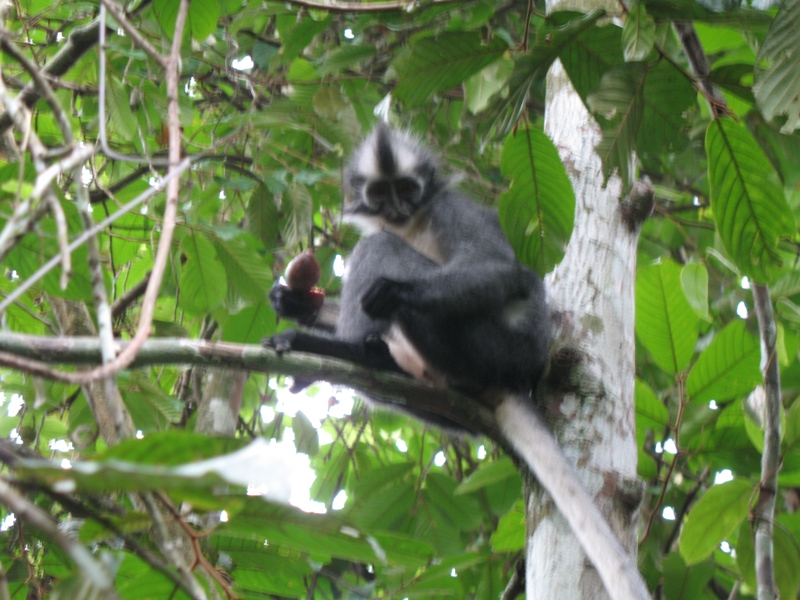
point(273, 97)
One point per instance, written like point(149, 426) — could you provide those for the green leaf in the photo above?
point(481, 87)
point(203, 281)
point(119, 109)
point(297, 207)
point(638, 34)
point(748, 202)
point(200, 22)
point(510, 533)
point(685, 583)
point(250, 325)
point(665, 323)
point(777, 89)
point(538, 210)
point(595, 51)
point(344, 58)
point(715, 517)
point(728, 367)
point(791, 434)
point(435, 64)
point(297, 38)
point(618, 102)
point(249, 278)
point(323, 536)
point(668, 96)
point(694, 280)
point(262, 217)
point(650, 411)
point(487, 474)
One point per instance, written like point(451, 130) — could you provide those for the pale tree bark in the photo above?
point(591, 293)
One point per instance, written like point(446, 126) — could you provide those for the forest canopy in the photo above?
point(160, 163)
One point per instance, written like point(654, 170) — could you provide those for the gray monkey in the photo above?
point(433, 286)
point(434, 289)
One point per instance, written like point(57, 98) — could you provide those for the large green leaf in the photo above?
point(538, 210)
point(618, 102)
point(638, 34)
point(592, 54)
point(489, 473)
point(665, 323)
point(651, 414)
point(249, 278)
point(262, 216)
point(749, 205)
point(728, 367)
point(694, 280)
point(297, 207)
point(715, 517)
point(200, 22)
point(777, 89)
point(668, 95)
point(322, 536)
point(203, 282)
point(435, 64)
point(510, 533)
point(685, 583)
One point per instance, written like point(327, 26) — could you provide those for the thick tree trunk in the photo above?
point(592, 298)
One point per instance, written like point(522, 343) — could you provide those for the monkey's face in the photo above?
point(396, 200)
point(389, 179)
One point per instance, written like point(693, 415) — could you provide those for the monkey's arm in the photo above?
point(456, 289)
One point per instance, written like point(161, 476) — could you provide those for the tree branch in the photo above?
point(32, 354)
point(764, 513)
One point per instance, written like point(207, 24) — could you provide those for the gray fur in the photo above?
point(473, 312)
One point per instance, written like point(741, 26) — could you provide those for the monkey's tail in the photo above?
point(528, 435)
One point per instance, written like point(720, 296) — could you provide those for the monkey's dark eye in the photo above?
point(407, 189)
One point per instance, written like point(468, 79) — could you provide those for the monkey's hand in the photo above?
point(300, 306)
point(386, 296)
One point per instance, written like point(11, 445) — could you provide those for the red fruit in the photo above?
point(302, 272)
point(316, 297)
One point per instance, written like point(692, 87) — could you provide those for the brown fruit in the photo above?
point(302, 272)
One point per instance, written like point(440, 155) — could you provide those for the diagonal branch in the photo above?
point(32, 354)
